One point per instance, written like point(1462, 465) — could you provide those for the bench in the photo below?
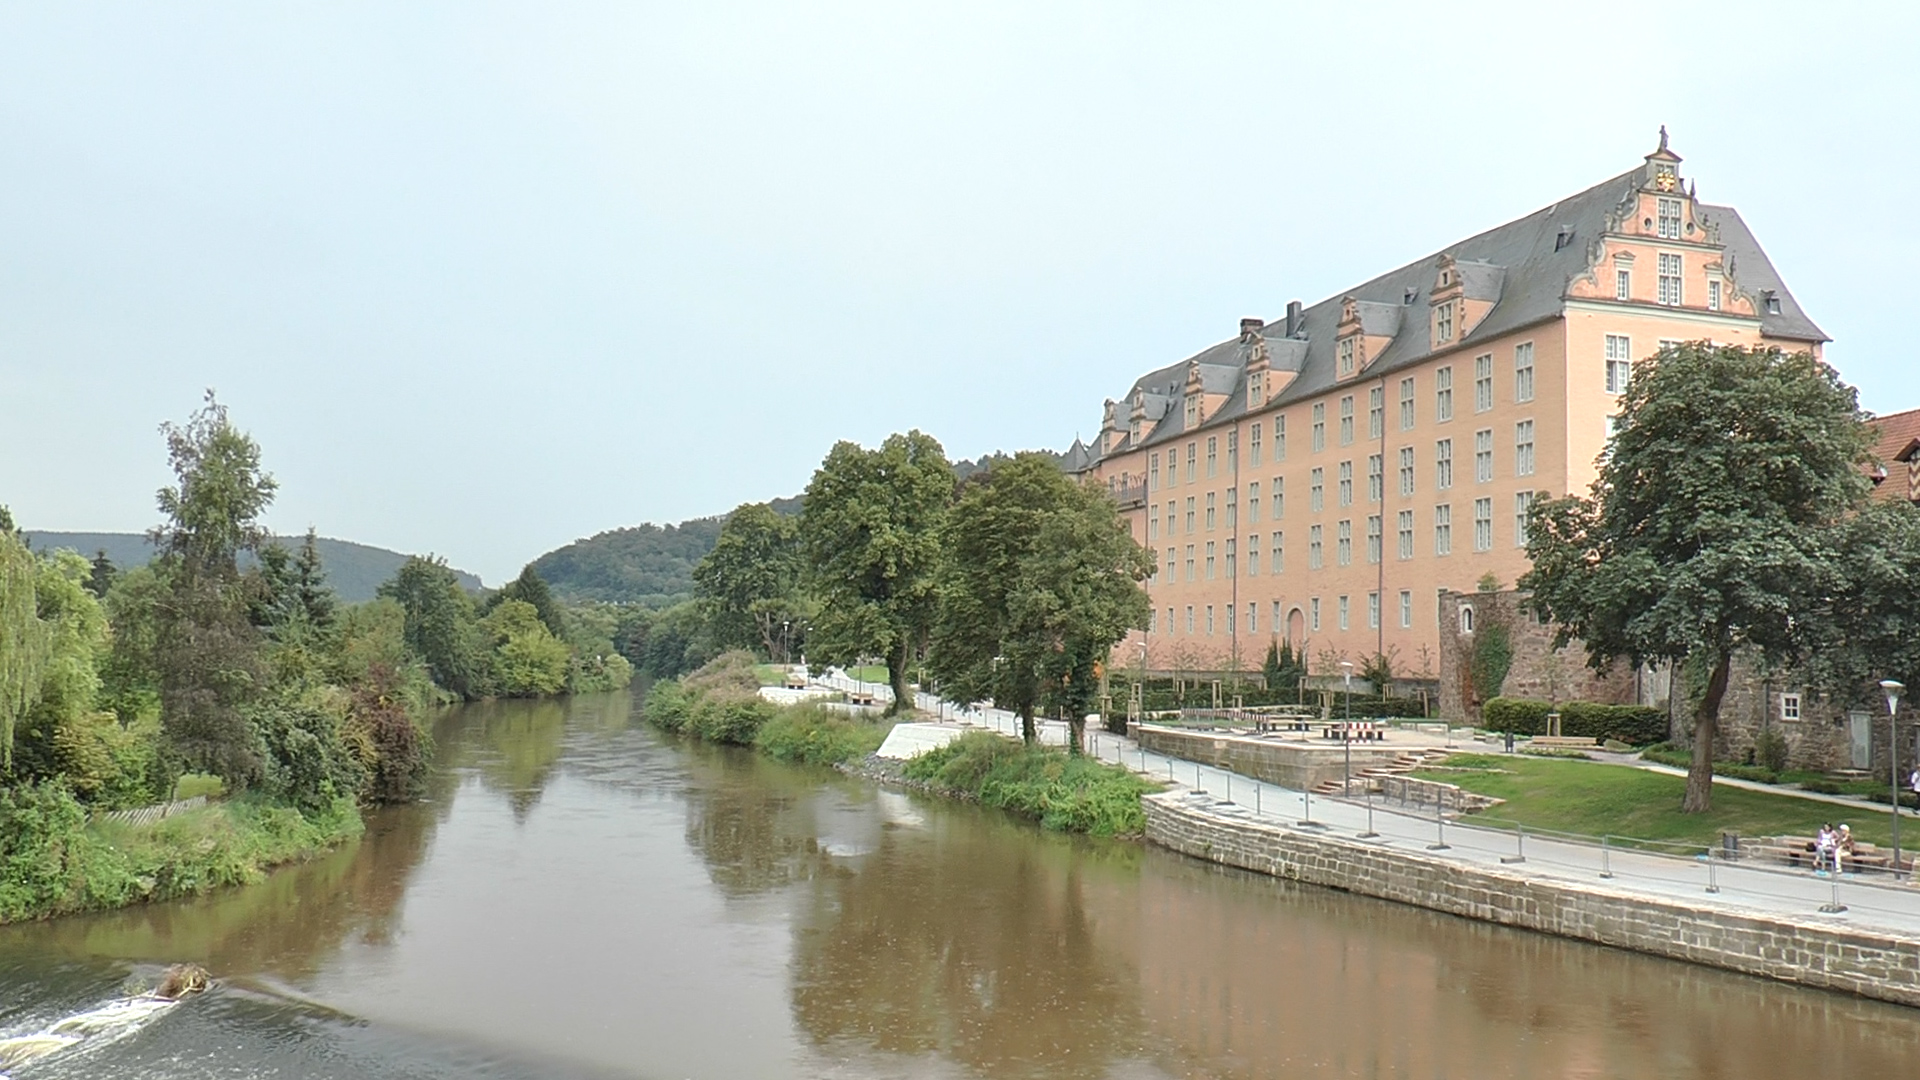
point(1564, 742)
point(1282, 723)
point(1798, 852)
point(1355, 730)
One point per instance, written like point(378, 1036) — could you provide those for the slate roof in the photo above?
point(1896, 450)
point(1526, 264)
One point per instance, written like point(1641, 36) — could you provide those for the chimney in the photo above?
point(1294, 319)
point(1250, 328)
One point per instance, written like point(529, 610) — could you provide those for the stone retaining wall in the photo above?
point(1295, 765)
point(1872, 964)
point(1418, 792)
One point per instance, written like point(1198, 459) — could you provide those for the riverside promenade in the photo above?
point(1877, 933)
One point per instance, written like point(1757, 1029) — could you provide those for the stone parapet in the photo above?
point(1874, 964)
point(1296, 765)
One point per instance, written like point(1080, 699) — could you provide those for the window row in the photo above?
point(1199, 618)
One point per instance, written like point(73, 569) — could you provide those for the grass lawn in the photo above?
point(1592, 798)
point(876, 673)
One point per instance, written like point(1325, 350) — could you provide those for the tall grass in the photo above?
point(1068, 794)
point(818, 736)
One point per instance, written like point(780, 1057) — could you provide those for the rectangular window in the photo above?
point(1253, 502)
point(1376, 477)
point(1346, 483)
point(1619, 363)
point(1376, 412)
point(1406, 471)
point(1313, 613)
point(1232, 570)
point(1713, 296)
point(1279, 509)
point(1343, 544)
point(1483, 456)
point(1153, 523)
point(1443, 529)
point(1277, 554)
point(1279, 439)
point(1189, 618)
point(1623, 284)
point(1210, 497)
point(1523, 448)
point(1319, 426)
point(1193, 411)
point(1189, 562)
point(1443, 322)
point(1209, 560)
point(1483, 524)
point(1373, 539)
point(1406, 404)
point(1406, 609)
point(1190, 451)
point(1670, 219)
point(1276, 618)
point(1346, 420)
point(1253, 554)
point(1443, 464)
point(1153, 471)
point(1153, 620)
point(1443, 394)
point(1373, 616)
point(1345, 351)
point(1253, 444)
point(1212, 447)
point(1253, 618)
point(1233, 510)
point(1343, 611)
point(1789, 706)
point(1189, 513)
point(1483, 382)
point(1670, 277)
point(1523, 371)
point(1406, 534)
point(1233, 451)
point(1317, 490)
point(1316, 551)
point(1170, 529)
point(1522, 503)
point(1170, 625)
point(1256, 391)
point(1170, 568)
point(1230, 614)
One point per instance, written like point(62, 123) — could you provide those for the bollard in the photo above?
point(1520, 846)
point(1257, 785)
point(1369, 834)
point(1440, 825)
point(1713, 877)
point(1606, 859)
point(1229, 787)
point(1834, 906)
point(1306, 808)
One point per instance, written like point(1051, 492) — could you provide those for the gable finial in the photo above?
point(1663, 136)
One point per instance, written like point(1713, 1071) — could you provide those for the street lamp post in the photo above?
point(1346, 729)
point(1893, 691)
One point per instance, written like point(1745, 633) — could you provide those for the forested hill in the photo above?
point(354, 570)
point(645, 564)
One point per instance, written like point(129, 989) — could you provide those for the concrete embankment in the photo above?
point(1871, 963)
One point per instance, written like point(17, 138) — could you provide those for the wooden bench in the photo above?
point(1799, 852)
point(1355, 731)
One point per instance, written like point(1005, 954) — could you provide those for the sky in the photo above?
point(484, 278)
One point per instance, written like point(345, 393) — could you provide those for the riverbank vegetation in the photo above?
point(227, 667)
point(721, 703)
point(1061, 791)
point(1592, 799)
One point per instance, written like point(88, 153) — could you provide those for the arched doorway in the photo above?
point(1297, 629)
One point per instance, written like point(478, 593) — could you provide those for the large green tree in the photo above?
point(531, 588)
point(1713, 525)
point(442, 627)
point(870, 532)
point(1040, 580)
point(751, 581)
point(207, 652)
point(25, 641)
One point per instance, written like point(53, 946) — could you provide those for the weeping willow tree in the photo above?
point(24, 640)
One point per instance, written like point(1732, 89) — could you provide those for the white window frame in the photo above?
point(1442, 464)
point(1346, 356)
point(1346, 420)
point(1523, 372)
point(1343, 543)
point(1523, 448)
point(1316, 547)
point(1483, 524)
point(1791, 704)
point(1375, 541)
point(1669, 219)
point(1373, 616)
point(1622, 283)
point(1522, 503)
point(1443, 529)
point(1376, 412)
point(1406, 472)
point(1317, 489)
point(1405, 529)
point(1483, 456)
point(1483, 382)
point(1443, 322)
point(1376, 477)
point(1319, 426)
point(1406, 404)
point(1443, 395)
point(1619, 360)
point(1406, 609)
point(1673, 271)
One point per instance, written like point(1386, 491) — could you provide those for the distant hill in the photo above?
point(354, 570)
point(644, 564)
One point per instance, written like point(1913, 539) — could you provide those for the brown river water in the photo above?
point(583, 897)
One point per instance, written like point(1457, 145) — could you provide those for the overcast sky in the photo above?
point(485, 278)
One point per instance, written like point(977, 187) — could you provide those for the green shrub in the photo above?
point(729, 718)
point(668, 706)
point(818, 736)
point(1771, 749)
point(1635, 725)
point(1821, 787)
point(193, 785)
point(1068, 794)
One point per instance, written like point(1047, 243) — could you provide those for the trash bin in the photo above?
point(1509, 742)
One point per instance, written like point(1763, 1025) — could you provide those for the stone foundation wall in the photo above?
point(1805, 952)
point(1538, 671)
point(1408, 789)
point(1294, 765)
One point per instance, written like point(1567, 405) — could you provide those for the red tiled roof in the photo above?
point(1897, 450)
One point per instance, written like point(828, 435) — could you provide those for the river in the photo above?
point(584, 897)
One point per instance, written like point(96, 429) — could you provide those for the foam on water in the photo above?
point(114, 1020)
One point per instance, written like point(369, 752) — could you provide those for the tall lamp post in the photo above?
point(1346, 729)
point(1894, 690)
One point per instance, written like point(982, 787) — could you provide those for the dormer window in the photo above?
point(1193, 411)
point(1446, 278)
point(1345, 350)
point(1772, 301)
point(1256, 390)
point(1443, 322)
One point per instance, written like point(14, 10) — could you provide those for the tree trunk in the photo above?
point(897, 678)
point(1076, 731)
point(1706, 722)
point(1029, 734)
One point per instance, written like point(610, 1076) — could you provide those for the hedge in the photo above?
point(1635, 725)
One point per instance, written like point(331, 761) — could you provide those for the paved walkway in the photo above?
point(1871, 902)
